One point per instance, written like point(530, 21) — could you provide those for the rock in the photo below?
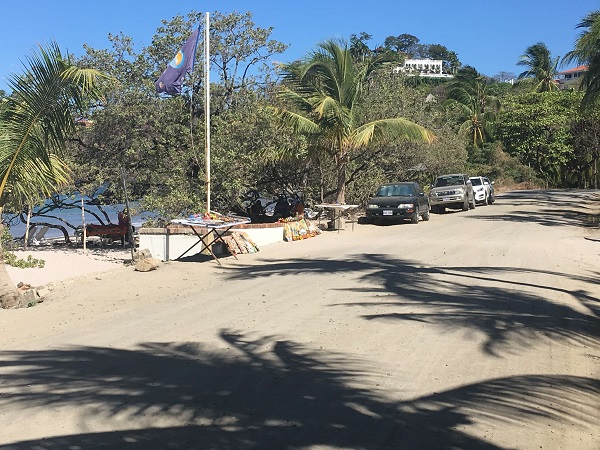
point(28, 298)
point(10, 301)
point(42, 292)
point(146, 264)
point(142, 254)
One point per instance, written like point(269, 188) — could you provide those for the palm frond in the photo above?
point(297, 122)
point(587, 52)
point(540, 66)
point(296, 99)
point(386, 130)
point(37, 120)
point(329, 81)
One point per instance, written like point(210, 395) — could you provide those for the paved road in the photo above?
point(475, 330)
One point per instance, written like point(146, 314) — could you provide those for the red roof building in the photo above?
point(571, 78)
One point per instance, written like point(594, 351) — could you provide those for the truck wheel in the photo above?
point(415, 217)
point(426, 215)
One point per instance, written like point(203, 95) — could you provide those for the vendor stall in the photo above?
point(210, 229)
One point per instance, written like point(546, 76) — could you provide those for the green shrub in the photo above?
point(8, 244)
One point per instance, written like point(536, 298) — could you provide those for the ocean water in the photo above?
point(73, 217)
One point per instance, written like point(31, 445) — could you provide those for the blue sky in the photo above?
point(489, 35)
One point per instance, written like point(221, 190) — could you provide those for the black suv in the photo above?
point(402, 200)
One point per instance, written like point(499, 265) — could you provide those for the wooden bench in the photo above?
point(110, 231)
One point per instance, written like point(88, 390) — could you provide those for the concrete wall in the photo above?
point(165, 246)
point(171, 243)
point(263, 236)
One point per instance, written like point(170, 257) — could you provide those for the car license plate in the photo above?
point(387, 212)
point(446, 199)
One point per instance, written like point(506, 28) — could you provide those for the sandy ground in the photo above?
point(64, 264)
point(475, 330)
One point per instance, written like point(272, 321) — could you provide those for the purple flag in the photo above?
point(171, 79)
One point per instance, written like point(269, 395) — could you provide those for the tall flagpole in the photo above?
point(207, 108)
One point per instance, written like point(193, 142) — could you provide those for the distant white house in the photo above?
point(432, 68)
point(571, 78)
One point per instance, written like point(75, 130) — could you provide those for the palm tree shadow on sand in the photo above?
point(267, 393)
point(512, 314)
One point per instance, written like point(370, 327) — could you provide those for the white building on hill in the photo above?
point(432, 68)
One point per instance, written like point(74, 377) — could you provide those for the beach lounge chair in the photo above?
point(36, 236)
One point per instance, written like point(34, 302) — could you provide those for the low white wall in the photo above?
point(167, 246)
point(263, 236)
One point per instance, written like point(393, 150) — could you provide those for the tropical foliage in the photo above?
point(324, 93)
point(587, 52)
point(537, 129)
point(35, 123)
point(159, 142)
point(476, 107)
point(541, 68)
point(348, 122)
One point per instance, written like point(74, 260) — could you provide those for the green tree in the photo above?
point(359, 49)
point(240, 51)
point(324, 91)
point(541, 67)
point(587, 52)
point(448, 57)
point(404, 43)
point(477, 109)
point(536, 128)
point(159, 141)
point(392, 95)
point(36, 122)
point(586, 146)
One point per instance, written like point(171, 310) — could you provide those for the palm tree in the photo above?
point(35, 123)
point(587, 52)
point(477, 109)
point(325, 90)
point(541, 68)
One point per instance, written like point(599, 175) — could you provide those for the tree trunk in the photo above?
point(9, 296)
point(341, 181)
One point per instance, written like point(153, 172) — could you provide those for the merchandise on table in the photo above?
point(299, 229)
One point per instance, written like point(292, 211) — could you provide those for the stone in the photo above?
point(43, 291)
point(28, 298)
point(142, 254)
point(10, 301)
point(146, 264)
